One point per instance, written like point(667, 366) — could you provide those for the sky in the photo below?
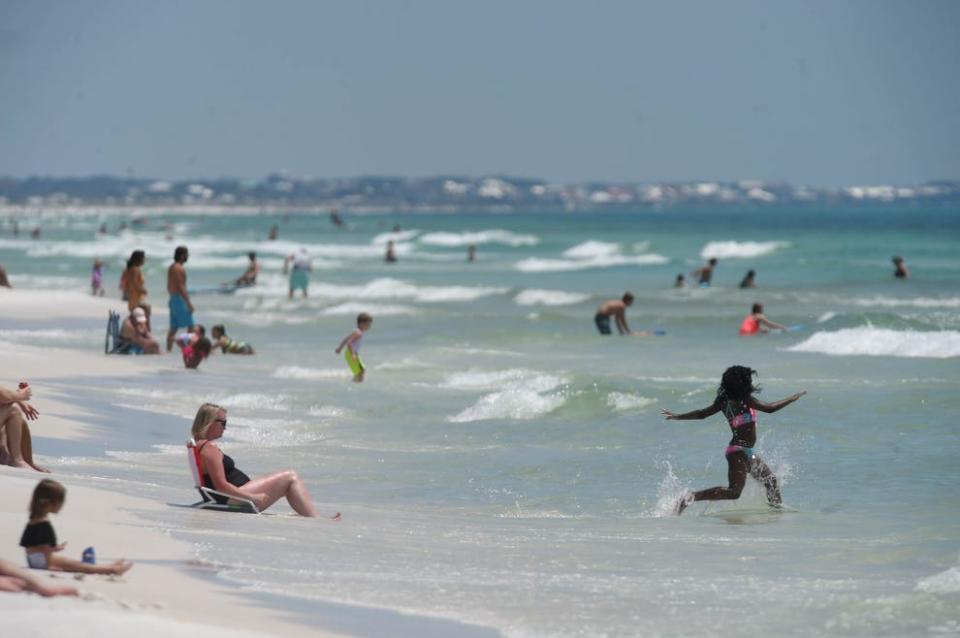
point(817, 92)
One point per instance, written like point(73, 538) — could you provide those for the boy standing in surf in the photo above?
point(352, 343)
point(735, 399)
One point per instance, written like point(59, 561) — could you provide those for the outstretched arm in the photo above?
point(622, 326)
point(776, 405)
point(702, 413)
point(773, 325)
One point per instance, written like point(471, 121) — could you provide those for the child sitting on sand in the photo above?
point(40, 541)
point(352, 342)
point(228, 345)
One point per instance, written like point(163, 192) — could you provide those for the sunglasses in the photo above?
point(222, 422)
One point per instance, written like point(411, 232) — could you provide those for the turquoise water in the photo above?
point(504, 465)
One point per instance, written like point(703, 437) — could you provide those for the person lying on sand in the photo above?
point(16, 580)
point(16, 444)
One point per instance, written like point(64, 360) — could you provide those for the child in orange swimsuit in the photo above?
point(757, 323)
point(735, 399)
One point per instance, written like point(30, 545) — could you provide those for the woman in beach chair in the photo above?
point(218, 471)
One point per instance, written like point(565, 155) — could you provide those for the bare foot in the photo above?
point(40, 468)
point(120, 567)
point(682, 503)
point(22, 464)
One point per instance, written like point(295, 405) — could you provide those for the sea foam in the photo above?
point(523, 394)
point(495, 236)
point(536, 264)
point(536, 296)
point(625, 402)
point(741, 249)
point(867, 340)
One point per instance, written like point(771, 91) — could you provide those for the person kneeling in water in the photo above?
point(226, 344)
point(220, 472)
point(757, 323)
point(735, 399)
point(195, 353)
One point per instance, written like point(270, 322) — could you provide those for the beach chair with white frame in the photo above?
point(207, 493)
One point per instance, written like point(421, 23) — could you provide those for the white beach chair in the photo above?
point(207, 494)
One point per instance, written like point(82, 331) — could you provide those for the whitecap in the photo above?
point(387, 288)
point(893, 302)
point(497, 379)
point(537, 264)
point(536, 296)
point(394, 236)
point(741, 249)
point(592, 249)
point(467, 238)
point(871, 341)
point(326, 411)
point(255, 401)
point(509, 404)
point(377, 310)
point(624, 402)
point(296, 372)
point(947, 582)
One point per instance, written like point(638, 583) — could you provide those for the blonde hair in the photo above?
point(205, 417)
point(47, 495)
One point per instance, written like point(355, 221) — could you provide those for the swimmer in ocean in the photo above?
point(351, 347)
point(900, 268)
point(748, 279)
point(616, 308)
point(757, 323)
point(705, 273)
point(735, 399)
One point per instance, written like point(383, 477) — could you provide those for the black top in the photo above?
point(234, 476)
point(37, 534)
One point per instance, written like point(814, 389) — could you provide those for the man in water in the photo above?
point(181, 309)
point(705, 272)
point(391, 256)
point(300, 275)
point(616, 308)
point(249, 277)
point(748, 279)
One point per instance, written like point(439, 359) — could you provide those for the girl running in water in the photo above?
point(735, 399)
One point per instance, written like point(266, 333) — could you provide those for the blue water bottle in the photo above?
point(89, 556)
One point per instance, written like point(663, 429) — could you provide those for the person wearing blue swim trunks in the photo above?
point(181, 309)
point(300, 275)
point(735, 399)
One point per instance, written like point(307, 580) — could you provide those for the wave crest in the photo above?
point(869, 341)
point(741, 249)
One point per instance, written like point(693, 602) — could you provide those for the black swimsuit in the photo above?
point(234, 476)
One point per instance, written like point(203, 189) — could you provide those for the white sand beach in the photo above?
point(167, 591)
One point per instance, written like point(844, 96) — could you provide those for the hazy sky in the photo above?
point(823, 93)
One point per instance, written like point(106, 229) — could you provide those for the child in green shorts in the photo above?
point(352, 342)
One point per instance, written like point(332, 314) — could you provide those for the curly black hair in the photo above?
point(737, 383)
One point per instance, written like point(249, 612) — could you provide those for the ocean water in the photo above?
point(505, 466)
